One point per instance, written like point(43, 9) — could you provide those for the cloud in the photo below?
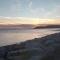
point(42, 12)
point(37, 11)
point(30, 4)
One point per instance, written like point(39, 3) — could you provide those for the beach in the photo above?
point(36, 49)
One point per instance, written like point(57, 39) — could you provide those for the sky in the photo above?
point(29, 11)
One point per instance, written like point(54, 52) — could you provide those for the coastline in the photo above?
point(31, 48)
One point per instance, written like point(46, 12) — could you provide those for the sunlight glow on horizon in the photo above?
point(24, 20)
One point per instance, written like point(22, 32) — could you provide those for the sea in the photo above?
point(8, 37)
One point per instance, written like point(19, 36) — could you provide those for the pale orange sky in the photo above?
point(24, 20)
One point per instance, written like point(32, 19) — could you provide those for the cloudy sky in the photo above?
point(29, 11)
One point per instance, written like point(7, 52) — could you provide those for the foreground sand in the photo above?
point(45, 48)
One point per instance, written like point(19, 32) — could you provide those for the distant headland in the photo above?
point(46, 26)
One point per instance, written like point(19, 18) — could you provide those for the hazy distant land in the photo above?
point(28, 26)
point(19, 26)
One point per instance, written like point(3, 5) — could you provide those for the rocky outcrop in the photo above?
point(45, 48)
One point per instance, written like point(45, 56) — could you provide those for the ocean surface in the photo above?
point(8, 37)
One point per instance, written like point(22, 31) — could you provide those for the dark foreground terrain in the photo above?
point(45, 48)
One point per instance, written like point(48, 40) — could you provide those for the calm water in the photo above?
point(8, 37)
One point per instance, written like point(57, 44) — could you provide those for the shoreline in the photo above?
point(44, 44)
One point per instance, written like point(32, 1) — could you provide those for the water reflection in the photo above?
point(16, 36)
